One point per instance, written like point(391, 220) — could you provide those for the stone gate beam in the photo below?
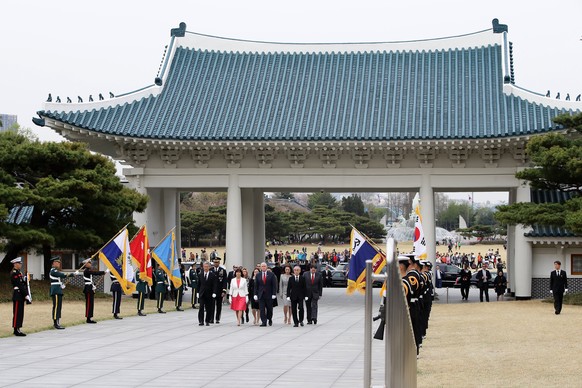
point(234, 240)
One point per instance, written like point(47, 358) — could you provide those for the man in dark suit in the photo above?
point(465, 280)
point(265, 292)
point(313, 291)
point(207, 289)
point(295, 293)
point(221, 278)
point(558, 286)
point(483, 277)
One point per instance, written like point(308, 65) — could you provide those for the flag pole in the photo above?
point(372, 243)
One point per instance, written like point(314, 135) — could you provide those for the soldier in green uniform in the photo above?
point(180, 290)
point(56, 290)
point(161, 288)
point(142, 289)
point(193, 281)
point(19, 296)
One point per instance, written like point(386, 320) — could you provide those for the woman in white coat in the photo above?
point(238, 295)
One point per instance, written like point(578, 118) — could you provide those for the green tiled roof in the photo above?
point(453, 93)
point(549, 196)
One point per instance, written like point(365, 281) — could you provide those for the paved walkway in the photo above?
point(172, 350)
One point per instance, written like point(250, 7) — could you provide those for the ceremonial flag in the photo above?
point(116, 255)
point(166, 255)
point(361, 249)
point(140, 253)
point(419, 244)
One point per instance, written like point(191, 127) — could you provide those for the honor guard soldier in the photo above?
point(19, 296)
point(180, 290)
point(193, 282)
point(161, 288)
point(89, 289)
point(116, 293)
point(221, 278)
point(413, 278)
point(428, 293)
point(56, 291)
point(142, 290)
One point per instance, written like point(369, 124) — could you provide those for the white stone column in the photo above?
point(234, 241)
point(523, 261)
point(154, 219)
point(427, 213)
point(259, 229)
point(169, 212)
point(248, 229)
point(510, 252)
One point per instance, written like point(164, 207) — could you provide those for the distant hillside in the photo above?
point(286, 205)
point(200, 202)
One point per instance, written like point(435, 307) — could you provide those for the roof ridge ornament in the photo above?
point(499, 28)
point(180, 31)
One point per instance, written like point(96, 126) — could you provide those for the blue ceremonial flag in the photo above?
point(116, 256)
point(166, 255)
point(361, 249)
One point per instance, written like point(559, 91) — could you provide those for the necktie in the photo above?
point(312, 278)
point(205, 275)
point(297, 279)
point(264, 277)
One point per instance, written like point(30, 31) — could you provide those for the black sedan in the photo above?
point(474, 280)
point(339, 279)
point(450, 274)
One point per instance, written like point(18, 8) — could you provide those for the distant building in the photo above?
point(6, 121)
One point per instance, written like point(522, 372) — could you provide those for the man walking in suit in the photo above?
point(313, 291)
point(221, 278)
point(558, 286)
point(207, 288)
point(265, 292)
point(295, 294)
point(483, 277)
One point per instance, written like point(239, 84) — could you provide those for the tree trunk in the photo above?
point(46, 253)
point(11, 253)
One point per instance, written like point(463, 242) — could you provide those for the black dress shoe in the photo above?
point(309, 322)
point(200, 324)
point(90, 321)
point(301, 323)
point(217, 322)
point(141, 314)
point(116, 316)
point(179, 309)
point(58, 327)
point(18, 333)
point(211, 322)
point(262, 325)
point(247, 318)
point(270, 322)
point(296, 325)
point(207, 324)
point(161, 311)
point(315, 321)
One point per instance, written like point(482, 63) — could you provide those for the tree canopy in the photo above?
point(77, 200)
point(557, 165)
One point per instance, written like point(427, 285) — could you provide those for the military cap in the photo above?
point(56, 258)
point(16, 261)
point(86, 261)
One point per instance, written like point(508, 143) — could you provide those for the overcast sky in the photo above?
point(71, 47)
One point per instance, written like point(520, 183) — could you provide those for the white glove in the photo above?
point(273, 296)
point(107, 270)
point(288, 299)
point(306, 298)
point(566, 290)
point(28, 298)
point(551, 292)
point(77, 273)
point(169, 288)
point(247, 299)
point(255, 297)
point(198, 295)
point(63, 286)
point(214, 295)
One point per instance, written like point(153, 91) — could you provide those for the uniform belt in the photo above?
point(115, 281)
point(55, 283)
point(88, 283)
point(413, 300)
point(160, 282)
